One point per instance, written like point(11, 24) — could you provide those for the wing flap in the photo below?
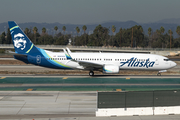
point(90, 65)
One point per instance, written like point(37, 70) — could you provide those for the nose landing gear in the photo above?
point(91, 73)
point(159, 72)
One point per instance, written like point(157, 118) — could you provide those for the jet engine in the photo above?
point(111, 69)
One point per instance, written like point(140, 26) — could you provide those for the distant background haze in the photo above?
point(88, 11)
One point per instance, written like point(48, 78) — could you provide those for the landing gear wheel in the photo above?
point(91, 73)
point(158, 74)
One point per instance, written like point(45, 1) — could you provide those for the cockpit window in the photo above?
point(166, 59)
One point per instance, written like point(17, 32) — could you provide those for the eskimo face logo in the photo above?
point(19, 41)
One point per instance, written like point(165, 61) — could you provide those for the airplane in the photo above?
point(110, 63)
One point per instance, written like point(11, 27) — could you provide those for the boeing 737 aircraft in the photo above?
point(27, 52)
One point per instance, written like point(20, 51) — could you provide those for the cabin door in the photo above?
point(156, 61)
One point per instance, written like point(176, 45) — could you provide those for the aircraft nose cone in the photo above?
point(173, 64)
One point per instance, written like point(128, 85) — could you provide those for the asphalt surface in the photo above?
point(71, 96)
point(86, 83)
point(35, 104)
point(58, 105)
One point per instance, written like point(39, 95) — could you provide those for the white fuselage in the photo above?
point(125, 61)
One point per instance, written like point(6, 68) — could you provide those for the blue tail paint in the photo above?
point(22, 44)
point(28, 52)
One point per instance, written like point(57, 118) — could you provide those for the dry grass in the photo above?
point(11, 62)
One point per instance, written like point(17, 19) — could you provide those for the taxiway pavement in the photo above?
point(86, 83)
point(58, 105)
point(18, 103)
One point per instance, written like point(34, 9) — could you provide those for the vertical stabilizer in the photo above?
point(22, 44)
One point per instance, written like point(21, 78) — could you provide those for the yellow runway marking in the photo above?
point(2, 77)
point(128, 78)
point(65, 77)
point(118, 90)
point(29, 89)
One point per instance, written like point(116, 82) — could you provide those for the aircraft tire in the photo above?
point(158, 74)
point(91, 73)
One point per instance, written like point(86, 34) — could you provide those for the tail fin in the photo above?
point(22, 44)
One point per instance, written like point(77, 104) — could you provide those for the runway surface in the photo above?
point(72, 97)
point(58, 105)
point(86, 83)
point(28, 103)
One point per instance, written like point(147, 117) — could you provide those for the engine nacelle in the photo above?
point(111, 69)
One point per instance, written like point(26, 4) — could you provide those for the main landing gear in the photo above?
point(158, 74)
point(91, 73)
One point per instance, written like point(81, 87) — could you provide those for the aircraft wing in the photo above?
point(90, 65)
point(86, 65)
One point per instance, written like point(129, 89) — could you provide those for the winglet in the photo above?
point(67, 55)
point(68, 50)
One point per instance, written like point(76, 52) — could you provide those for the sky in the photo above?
point(88, 11)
